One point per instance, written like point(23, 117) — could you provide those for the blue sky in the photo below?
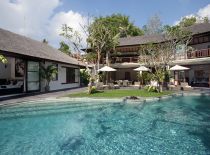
point(138, 10)
point(39, 19)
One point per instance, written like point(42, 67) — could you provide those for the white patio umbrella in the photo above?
point(179, 68)
point(107, 69)
point(141, 69)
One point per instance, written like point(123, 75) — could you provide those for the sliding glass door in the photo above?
point(33, 80)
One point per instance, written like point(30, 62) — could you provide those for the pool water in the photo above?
point(178, 125)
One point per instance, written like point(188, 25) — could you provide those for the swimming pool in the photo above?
point(178, 125)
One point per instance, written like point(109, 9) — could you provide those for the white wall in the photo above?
point(56, 85)
point(5, 70)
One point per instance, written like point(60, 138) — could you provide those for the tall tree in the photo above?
point(158, 56)
point(120, 24)
point(206, 20)
point(153, 26)
point(187, 21)
point(64, 48)
point(101, 39)
point(73, 38)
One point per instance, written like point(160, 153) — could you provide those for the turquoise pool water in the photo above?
point(179, 125)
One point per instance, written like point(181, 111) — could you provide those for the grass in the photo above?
point(120, 93)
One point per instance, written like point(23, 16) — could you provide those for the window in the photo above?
point(200, 39)
point(206, 39)
point(195, 40)
point(55, 78)
point(70, 75)
point(77, 77)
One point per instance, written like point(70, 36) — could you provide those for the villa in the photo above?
point(197, 60)
point(24, 55)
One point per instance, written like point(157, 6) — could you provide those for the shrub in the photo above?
point(92, 90)
point(151, 89)
point(84, 77)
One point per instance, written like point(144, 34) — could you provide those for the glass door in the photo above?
point(33, 80)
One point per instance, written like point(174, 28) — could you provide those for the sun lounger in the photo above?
point(185, 86)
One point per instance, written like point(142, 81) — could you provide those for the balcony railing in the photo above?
point(123, 60)
point(199, 53)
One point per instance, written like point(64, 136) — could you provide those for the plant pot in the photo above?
point(47, 88)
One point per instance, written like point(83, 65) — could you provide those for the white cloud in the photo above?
point(72, 19)
point(203, 12)
point(37, 19)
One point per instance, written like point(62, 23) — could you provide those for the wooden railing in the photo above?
point(198, 53)
point(122, 60)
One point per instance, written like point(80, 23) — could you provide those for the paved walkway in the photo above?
point(42, 96)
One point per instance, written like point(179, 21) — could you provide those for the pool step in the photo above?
point(63, 108)
point(46, 106)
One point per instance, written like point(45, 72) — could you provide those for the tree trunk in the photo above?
point(107, 58)
point(98, 61)
point(47, 87)
point(160, 87)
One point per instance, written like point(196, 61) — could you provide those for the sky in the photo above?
point(39, 19)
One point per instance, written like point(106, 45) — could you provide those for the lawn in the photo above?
point(120, 93)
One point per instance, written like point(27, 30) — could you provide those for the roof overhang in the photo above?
point(197, 61)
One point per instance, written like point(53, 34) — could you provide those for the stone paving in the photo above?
point(43, 96)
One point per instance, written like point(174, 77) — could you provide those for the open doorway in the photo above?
point(12, 76)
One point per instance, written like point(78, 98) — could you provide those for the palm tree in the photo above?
point(48, 74)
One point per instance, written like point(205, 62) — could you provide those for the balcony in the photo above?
point(199, 54)
point(122, 60)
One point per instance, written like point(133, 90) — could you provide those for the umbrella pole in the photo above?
point(106, 78)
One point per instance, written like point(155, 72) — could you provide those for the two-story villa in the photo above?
point(198, 60)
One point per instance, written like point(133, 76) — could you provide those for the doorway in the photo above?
point(33, 79)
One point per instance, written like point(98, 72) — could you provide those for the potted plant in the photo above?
point(48, 73)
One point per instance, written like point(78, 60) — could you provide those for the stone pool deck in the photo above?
point(59, 96)
point(50, 95)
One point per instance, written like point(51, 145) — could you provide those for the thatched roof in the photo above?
point(138, 40)
point(158, 38)
point(15, 43)
point(199, 28)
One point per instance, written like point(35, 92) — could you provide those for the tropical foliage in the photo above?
point(48, 73)
point(64, 48)
point(158, 56)
point(101, 39)
point(84, 77)
point(72, 37)
point(120, 24)
point(3, 59)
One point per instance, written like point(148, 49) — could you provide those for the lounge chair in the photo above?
point(113, 86)
point(137, 84)
point(119, 82)
point(125, 83)
point(185, 86)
